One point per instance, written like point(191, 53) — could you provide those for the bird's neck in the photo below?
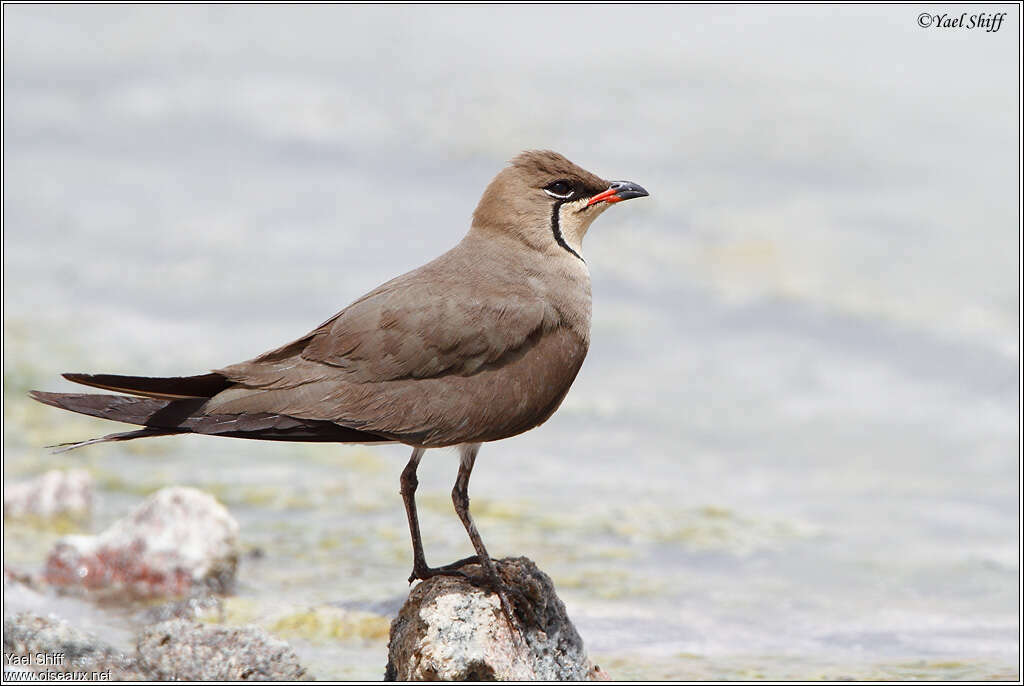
point(553, 274)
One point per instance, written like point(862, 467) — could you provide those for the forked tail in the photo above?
point(175, 406)
point(158, 416)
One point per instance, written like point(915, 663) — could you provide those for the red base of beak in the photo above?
point(607, 196)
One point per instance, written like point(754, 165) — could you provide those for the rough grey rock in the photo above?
point(450, 630)
point(177, 539)
point(182, 650)
point(49, 495)
point(176, 650)
point(34, 643)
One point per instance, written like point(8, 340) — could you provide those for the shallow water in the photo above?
point(793, 449)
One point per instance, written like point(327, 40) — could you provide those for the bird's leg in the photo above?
point(420, 570)
point(409, 482)
point(460, 498)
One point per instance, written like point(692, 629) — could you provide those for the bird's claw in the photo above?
point(423, 572)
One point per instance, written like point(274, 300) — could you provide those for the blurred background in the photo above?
point(793, 449)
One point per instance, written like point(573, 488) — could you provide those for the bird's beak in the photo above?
point(617, 192)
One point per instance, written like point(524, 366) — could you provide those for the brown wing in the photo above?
point(436, 357)
point(410, 330)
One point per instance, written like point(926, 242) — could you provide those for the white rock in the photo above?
point(449, 630)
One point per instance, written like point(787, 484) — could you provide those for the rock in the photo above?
point(176, 650)
point(182, 650)
point(50, 495)
point(450, 630)
point(34, 643)
point(177, 539)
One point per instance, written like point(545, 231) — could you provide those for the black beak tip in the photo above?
point(626, 190)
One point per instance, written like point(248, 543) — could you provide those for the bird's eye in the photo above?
point(559, 189)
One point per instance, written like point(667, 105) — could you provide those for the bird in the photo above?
point(478, 345)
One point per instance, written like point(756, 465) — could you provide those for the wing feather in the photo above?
point(438, 356)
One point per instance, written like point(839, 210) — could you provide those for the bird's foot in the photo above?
point(423, 572)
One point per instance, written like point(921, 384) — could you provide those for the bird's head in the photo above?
point(547, 201)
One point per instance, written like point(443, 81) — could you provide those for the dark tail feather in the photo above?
point(162, 417)
point(151, 412)
point(119, 408)
point(123, 436)
point(167, 388)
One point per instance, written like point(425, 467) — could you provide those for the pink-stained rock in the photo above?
point(177, 539)
point(49, 495)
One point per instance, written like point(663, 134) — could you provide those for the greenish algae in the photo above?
point(435, 502)
point(236, 611)
point(113, 481)
point(61, 525)
point(484, 509)
point(28, 540)
point(693, 667)
point(606, 583)
point(331, 542)
point(332, 624)
point(348, 459)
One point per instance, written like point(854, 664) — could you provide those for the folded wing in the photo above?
point(429, 358)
